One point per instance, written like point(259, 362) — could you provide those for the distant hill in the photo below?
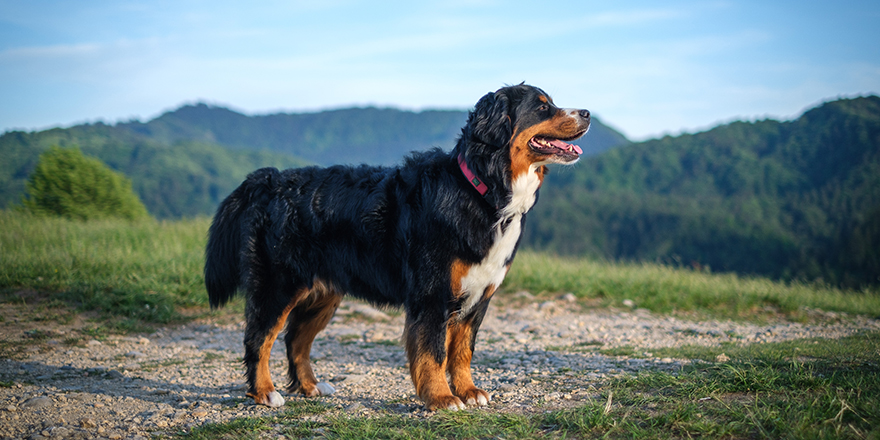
point(380, 136)
point(798, 199)
point(183, 179)
point(187, 160)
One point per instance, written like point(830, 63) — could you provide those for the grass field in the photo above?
point(151, 272)
point(135, 275)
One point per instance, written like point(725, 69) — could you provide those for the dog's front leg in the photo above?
point(426, 342)
point(460, 340)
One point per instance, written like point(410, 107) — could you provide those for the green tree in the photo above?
point(66, 183)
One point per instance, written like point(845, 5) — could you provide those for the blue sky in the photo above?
point(646, 68)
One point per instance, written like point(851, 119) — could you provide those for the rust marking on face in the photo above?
point(560, 126)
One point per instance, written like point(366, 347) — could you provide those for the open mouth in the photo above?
point(556, 147)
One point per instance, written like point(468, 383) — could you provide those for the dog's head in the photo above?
point(517, 130)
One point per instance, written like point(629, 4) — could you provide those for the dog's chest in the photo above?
point(486, 276)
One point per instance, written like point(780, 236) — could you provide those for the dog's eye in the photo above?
point(544, 107)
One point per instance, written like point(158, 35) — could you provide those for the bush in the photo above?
point(68, 184)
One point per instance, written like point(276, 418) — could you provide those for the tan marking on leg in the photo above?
point(300, 348)
point(459, 355)
point(263, 384)
point(429, 376)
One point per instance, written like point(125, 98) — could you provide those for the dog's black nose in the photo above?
point(584, 114)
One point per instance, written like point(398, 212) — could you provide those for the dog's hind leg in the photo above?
point(305, 321)
point(264, 321)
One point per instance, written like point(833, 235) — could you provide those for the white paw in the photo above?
point(455, 406)
point(480, 400)
point(275, 400)
point(483, 400)
point(325, 389)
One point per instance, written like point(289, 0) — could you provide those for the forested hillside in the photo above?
point(797, 199)
point(178, 180)
point(185, 161)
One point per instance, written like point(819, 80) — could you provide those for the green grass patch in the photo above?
point(814, 389)
point(286, 420)
point(802, 389)
point(134, 272)
point(664, 289)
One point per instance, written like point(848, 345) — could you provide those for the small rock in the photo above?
point(523, 295)
point(143, 341)
point(60, 431)
point(200, 413)
point(114, 374)
point(352, 379)
point(354, 407)
point(370, 312)
point(94, 343)
point(134, 354)
point(546, 306)
point(629, 303)
point(722, 358)
point(88, 423)
point(37, 402)
point(507, 387)
point(569, 297)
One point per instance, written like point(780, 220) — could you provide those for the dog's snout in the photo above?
point(584, 114)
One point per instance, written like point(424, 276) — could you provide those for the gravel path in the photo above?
point(531, 356)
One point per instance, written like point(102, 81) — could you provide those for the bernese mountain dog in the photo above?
point(435, 236)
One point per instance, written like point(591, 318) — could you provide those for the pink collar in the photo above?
point(471, 177)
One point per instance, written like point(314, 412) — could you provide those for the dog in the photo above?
point(435, 236)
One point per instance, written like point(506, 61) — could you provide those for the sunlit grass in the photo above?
point(144, 271)
point(152, 271)
point(665, 289)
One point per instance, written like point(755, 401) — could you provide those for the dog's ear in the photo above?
point(490, 122)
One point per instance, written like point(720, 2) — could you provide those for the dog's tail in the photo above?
point(236, 224)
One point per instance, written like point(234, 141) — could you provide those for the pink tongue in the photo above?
point(564, 146)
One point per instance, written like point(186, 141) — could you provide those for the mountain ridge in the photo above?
point(381, 135)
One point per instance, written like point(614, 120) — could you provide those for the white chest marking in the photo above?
point(493, 268)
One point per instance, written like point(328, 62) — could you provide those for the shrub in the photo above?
point(68, 184)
